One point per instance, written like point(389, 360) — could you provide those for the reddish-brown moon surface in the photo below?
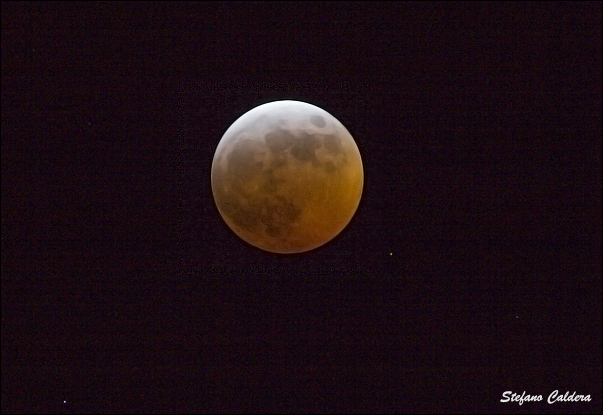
point(287, 177)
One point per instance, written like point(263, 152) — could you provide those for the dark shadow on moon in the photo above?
point(274, 231)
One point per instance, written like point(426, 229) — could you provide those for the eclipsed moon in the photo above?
point(287, 177)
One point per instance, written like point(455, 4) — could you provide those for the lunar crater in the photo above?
point(279, 140)
point(332, 144)
point(318, 121)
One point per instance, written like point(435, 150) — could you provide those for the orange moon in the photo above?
point(287, 177)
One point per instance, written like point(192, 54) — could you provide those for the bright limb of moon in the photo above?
point(287, 177)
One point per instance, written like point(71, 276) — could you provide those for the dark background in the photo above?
point(472, 267)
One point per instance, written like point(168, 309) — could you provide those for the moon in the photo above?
point(287, 177)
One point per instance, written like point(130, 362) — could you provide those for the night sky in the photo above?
point(472, 266)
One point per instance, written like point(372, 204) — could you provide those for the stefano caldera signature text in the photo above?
point(555, 396)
